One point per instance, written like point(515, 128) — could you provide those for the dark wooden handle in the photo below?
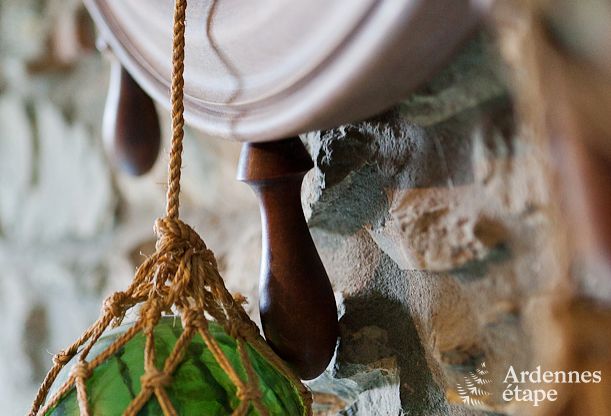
point(131, 127)
point(296, 303)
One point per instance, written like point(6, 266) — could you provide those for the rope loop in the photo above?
point(240, 299)
point(81, 370)
point(248, 393)
point(115, 304)
point(193, 318)
point(241, 329)
point(150, 313)
point(153, 379)
point(233, 329)
point(62, 358)
point(172, 232)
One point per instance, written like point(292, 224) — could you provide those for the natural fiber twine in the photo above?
point(182, 277)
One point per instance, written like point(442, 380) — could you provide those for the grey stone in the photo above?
point(68, 193)
point(432, 221)
point(370, 390)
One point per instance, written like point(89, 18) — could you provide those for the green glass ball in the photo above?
point(199, 385)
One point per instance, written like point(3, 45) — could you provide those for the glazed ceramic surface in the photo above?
point(199, 385)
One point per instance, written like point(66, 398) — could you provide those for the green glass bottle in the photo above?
point(199, 385)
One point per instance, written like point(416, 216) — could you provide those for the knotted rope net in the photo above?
point(180, 278)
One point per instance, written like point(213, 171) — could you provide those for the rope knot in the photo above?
point(62, 358)
point(115, 304)
point(238, 329)
point(153, 379)
point(173, 232)
point(233, 329)
point(240, 299)
point(194, 318)
point(248, 393)
point(81, 370)
point(150, 313)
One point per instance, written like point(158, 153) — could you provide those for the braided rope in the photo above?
point(182, 274)
point(178, 121)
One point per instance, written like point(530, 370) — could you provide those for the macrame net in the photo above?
point(181, 277)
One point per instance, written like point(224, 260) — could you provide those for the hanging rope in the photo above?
point(178, 121)
point(181, 276)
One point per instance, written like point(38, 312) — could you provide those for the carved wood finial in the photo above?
point(297, 305)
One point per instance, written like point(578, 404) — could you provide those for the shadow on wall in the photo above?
point(398, 337)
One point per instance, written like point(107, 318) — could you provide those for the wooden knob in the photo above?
point(131, 127)
point(296, 303)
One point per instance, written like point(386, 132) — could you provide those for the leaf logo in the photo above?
point(473, 392)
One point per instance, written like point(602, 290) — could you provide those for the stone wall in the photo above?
point(434, 220)
point(436, 223)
